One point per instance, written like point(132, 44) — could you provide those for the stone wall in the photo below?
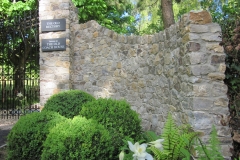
point(179, 70)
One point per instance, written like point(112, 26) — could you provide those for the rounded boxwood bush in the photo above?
point(25, 140)
point(78, 138)
point(68, 103)
point(117, 116)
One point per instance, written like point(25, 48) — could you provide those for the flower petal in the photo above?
point(160, 140)
point(131, 146)
point(149, 157)
point(136, 145)
point(121, 155)
point(143, 147)
point(143, 154)
point(157, 141)
point(157, 144)
point(19, 94)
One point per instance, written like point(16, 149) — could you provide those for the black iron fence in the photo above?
point(19, 64)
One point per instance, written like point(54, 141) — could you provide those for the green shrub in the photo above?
point(78, 138)
point(24, 141)
point(68, 103)
point(117, 116)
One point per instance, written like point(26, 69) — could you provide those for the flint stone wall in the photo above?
point(178, 70)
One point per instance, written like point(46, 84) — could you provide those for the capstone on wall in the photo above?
point(178, 70)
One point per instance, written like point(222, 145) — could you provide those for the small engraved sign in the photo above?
point(53, 25)
point(56, 44)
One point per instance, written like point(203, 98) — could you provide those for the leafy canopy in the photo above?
point(113, 14)
point(149, 13)
point(8, 8)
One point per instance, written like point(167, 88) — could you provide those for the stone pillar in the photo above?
point(207, 66)
point(55, 65)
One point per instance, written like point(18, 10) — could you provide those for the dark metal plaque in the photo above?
point(56, 44)
point(53, 25)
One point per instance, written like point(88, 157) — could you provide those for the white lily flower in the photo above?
point(139, 151)
point(157, 144)
point(121, 155)
point(19, 94)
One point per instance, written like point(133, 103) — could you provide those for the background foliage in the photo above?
point(19, 51)
point(9, 8)
point(115, 15)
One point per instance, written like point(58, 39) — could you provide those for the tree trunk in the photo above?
point(19, 79)
point(167, 13)
point(19, 60)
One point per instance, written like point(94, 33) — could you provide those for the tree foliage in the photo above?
point(19, 39)
point(9, 8)
point(184, 7)
point(150, 17)
point(115, 15)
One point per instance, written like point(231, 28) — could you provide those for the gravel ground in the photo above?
point(3, 153)
point(5, 127)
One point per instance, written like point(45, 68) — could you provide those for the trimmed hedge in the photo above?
point(68, 103)
point(117, 116)
point(25, 140)
point(78, 138)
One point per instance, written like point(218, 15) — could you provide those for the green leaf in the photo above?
point(186, 154)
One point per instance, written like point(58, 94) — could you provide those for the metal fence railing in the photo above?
point(19, 65)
